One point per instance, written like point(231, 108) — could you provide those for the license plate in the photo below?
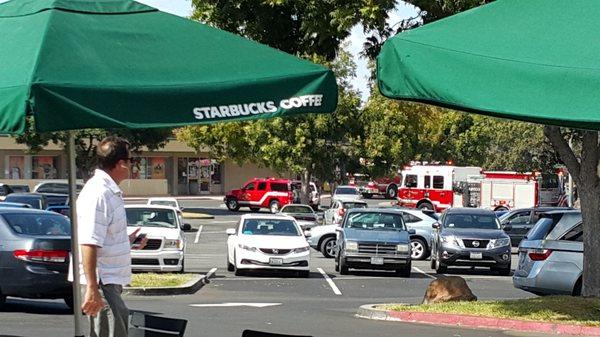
point(275, 261)
point(476, 256)
point(377, 260)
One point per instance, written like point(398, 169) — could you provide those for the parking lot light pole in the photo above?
point(78, 317)
point(570, 182)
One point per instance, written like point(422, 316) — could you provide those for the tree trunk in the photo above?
point(305, 191)
point(586, 173)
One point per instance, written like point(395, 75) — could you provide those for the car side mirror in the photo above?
point(230, 231)
point(507, 228)
point(307, 234)
point(412, 231)
point(435, 225)
point(186, 227)
point(182, 209)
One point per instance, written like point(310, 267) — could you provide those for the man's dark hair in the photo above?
point(110, 151)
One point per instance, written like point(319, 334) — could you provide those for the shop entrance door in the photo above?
point(194, 176)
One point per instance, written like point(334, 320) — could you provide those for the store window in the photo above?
point(16, 167)
point(149, 168)
point(44, 167)
point(215, 177)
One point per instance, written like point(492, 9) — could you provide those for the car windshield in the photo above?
point(273, 227)
point(346, 190)
point(375, 221)
point(38, 224)
point(480, 221)
point(296, 209)
point(151, 217)
point(33, 202)
point(163, 203)
point(350, 205)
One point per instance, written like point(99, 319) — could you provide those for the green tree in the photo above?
point(300, 27)
point(86, 140)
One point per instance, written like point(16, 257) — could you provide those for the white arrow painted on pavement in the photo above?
point(255, 305)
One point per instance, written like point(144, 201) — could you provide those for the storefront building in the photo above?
point(176, 170)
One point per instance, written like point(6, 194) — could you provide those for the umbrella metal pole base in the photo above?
point(78, 317)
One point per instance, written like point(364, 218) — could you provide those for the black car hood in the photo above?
point(387, 236)
point(475, 233)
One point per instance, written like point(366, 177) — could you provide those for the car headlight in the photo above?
point(301, 249)
point(499, 243)
point(351, 246)
point(248, 248)
point(450, 239)
point(170, 243)
point(403, 248)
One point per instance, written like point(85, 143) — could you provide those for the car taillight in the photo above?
point(57, 256)
point(539, 254)
point(341, 212)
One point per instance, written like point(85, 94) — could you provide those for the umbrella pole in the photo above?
point(74, 241)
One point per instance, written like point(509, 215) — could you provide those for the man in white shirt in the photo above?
point(105, 245)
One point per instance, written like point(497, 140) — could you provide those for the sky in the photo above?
point(356, 39)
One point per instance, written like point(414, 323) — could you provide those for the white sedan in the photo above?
point(267, 241)
point(165, 202)
point(162, 225)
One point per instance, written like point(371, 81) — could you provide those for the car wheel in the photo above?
point(440, 268)
point(230, 266)
point(432, 263)
point(419, 249)
point(503, 271)
point(2, 300)
point(182, 267)
point(426, 205)
point(337, 264)
point(343, 267)
point(236, 270)
point(274, 206)
point(328, 247)
point(392, 192)
point(576, 288)
point(304, 273)
point(232, 204)
point(255, 209)
point(69, 301)
point(404, 272)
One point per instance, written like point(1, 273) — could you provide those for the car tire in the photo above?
point(432, 263)
point(232, 204)
point(404, 272)
point(2, 300)
point(419, 249)
point(426, 205)
point(392, 192)
point(304, 273)
point(230, 266)
point(337, 264)
point(328, 247)
point(576, 288)
point(440, 268)
point(236, 270)
point(343, 267)
point(182, 266)
point(69, 302)
point(503, 271)
point(274, 206)
point(254, 209)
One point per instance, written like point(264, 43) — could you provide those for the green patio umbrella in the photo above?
point(75, 64)
point(534, 60)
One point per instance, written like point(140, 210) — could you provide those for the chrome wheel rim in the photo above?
point(417, 249)
point(330, 247)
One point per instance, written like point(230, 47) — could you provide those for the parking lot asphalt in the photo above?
point(322, 305)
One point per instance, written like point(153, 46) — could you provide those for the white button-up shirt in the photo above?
point(102, 222)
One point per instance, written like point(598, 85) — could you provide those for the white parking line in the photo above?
point(330, 281)
point(198, 234)
point(424, 273)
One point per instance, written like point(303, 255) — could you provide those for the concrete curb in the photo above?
point(369, 311)
point(201, 216)
point(189, 288)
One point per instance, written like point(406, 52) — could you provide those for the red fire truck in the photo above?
point(441, 187)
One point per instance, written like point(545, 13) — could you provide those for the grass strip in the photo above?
point(553, 309)
point(149, 280)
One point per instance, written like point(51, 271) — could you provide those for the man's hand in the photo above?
point(132, 238)
point(93, 302)
point(134, 234)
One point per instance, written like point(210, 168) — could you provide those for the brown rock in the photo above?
point(448, 288)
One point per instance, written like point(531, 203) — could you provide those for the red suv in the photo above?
point(271, 193)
